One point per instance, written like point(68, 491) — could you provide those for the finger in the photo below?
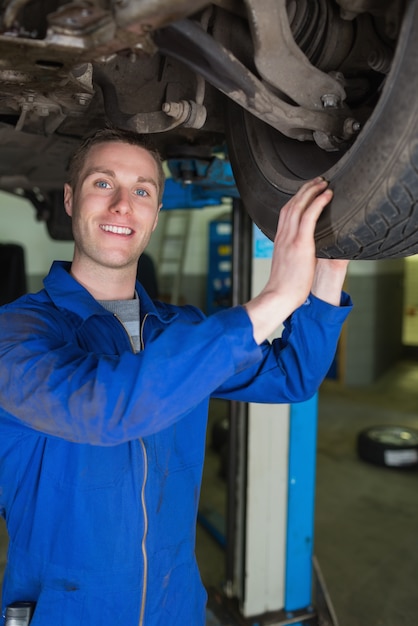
point(307, 194)
point(304, 196)
point(293, 210)
point(310, 216)
point(301, 226)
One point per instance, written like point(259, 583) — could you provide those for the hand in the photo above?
point(294, 265)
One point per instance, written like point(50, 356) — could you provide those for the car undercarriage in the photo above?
point(286, 90)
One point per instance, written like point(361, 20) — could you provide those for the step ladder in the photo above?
point(172, 250)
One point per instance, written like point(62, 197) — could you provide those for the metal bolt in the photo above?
point(173, 109)
point(351, 127)
point(330, 101)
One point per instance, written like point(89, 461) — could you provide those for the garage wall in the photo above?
point(18, 225)
point(410, 320)
point(373, 339)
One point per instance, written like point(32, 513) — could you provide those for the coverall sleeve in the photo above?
point(294, 365)
point(54, 386)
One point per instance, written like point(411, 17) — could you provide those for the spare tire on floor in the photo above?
point(389, 446)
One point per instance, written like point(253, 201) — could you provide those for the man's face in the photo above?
point(114, 207)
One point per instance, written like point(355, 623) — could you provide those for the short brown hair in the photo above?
point(106, 135)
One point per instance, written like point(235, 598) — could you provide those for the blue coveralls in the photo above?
point(101, 449)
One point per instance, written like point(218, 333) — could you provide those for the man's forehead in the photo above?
point(94, 159)
point(115, 146)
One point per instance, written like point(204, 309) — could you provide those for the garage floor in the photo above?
point(366, 516)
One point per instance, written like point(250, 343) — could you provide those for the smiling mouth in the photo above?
point(117, 230)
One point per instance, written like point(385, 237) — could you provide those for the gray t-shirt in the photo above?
point(127, 312)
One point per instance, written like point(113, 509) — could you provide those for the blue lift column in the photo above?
point(301, 505)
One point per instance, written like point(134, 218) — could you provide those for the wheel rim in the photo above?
point(397, 436)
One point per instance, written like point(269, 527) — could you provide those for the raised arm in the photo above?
point(295, 271)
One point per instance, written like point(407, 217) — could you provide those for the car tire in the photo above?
point(374, 211)
point(389, 446)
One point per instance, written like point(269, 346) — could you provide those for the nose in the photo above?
point(121, 201)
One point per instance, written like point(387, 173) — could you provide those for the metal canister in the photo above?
point(19, 613)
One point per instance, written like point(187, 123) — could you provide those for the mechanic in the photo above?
point(104, 397)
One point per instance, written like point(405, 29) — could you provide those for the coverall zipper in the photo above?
point(144, 482)
point(144, 536)
point(144, 507)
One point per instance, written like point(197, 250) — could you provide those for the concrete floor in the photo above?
point(366, 516)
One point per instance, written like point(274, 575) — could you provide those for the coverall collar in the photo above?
point(67, 293)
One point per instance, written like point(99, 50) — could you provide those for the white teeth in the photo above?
point(118, 230)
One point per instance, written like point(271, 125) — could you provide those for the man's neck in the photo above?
point(107, 284)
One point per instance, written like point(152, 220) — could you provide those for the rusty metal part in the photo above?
point(390, 11)
point(69, 96)
point(172, 114)
point(81, 26)
point(186, 112)
point(187, 42)
point(77, 32)
point(147, 15)
point(320, 32)
point(281, 62)
point(81, 33)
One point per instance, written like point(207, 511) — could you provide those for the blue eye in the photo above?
point(141, 192)
point(102, 184)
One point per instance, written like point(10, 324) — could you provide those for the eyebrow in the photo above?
point(111, 173)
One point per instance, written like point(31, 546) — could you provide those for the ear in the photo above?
point(68, 199)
